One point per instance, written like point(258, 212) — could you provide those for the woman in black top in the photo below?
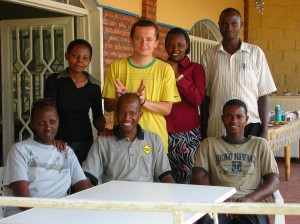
point(75, 92)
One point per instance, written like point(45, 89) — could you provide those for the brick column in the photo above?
point(149, 8)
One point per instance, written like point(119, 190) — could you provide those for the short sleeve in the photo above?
point(170, 92)
point(267, 162)
point(162, 164)
point(75, 168)
point(266, 83)
point(202, 158)
point(16, 168)
point(50, 90)
point(109, 90)
point(93, 164)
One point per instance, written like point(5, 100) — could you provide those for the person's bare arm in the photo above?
point(167, 179)
point(90, 182)
point(262, 104)
point(20, 189)
point(269, 186)
point(60, 145)
point(163, 107)
point(110, 104)
point(199, 176)
point(81, 185)
point(141, 91)
point(100, 124)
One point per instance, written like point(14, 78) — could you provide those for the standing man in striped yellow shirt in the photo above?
point(236, 70)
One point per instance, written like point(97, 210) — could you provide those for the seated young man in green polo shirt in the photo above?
point(131, 154)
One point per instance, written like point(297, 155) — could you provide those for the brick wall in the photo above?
point(116, 37)
point(277, 32)
point(116, 41)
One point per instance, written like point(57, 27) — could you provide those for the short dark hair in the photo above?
point(235, 102)
point(228, 10)
point(127, 96)
point(83, 42)
point(42, 103)
point(179, 30)
point(144, 23)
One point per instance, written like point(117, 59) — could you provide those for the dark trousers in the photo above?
point(81, 149)
point(240, 219)
point(253, 129)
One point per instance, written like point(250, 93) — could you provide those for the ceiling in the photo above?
point(16, 11)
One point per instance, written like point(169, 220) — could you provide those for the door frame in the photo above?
point(7, 79)
point(89, 25)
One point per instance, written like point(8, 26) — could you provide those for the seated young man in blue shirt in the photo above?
point(131, 154)
point(236, 161)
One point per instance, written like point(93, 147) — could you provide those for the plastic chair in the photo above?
point(279, 219)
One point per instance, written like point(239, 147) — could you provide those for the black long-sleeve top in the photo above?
point(73, 105)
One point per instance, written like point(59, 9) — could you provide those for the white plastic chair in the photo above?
point(279, 219)
point(1, 191)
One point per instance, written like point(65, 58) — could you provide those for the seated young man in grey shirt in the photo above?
point(131, 154)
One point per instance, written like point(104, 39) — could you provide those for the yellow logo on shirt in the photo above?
point(147, 149)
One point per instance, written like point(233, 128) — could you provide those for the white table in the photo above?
point(126, 191)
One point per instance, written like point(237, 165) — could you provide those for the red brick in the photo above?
point(124, 55)
point(108, 61)
point(127, 48)
point(105, 53)
point(149, 9)
point(113, 38)
point(125, 40)
point(113, 23)
point(126, 33)
point(105, 21)
point(105, 38)
point(118, 47)
point(113, 54)
point(108, 13)
point(122, 25)
point(118, 31)
point(108, 29)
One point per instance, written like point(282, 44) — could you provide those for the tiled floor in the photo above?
point(290, 190)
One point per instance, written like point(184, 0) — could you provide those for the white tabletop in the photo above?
point(126, 191)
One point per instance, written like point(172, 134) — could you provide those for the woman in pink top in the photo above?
point(183, 123)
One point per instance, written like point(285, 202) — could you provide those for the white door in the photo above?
point(31, 49)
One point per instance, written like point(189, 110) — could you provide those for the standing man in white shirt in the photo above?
point(236, 70)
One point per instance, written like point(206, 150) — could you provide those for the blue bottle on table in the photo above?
point(278, 115)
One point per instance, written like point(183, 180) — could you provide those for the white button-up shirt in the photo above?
point(245, 75)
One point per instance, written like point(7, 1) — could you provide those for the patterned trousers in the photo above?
point(183, 147)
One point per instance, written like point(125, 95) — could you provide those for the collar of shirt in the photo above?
point(244, 47)
point(118, 135)
point(65, 74)
point(183, 64)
